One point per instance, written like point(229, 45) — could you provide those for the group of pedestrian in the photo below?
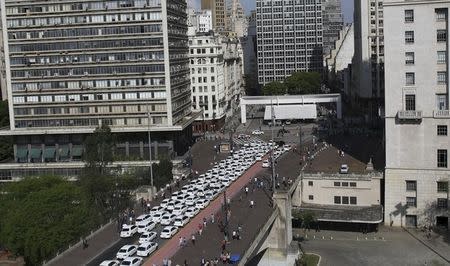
point(211, 262)
point(127, 217)
point(167, 262)
point(145, 205)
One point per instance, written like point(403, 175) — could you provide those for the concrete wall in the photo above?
point(411, 146)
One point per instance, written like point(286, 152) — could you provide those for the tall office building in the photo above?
point(73, 66)
point(289, 38)
point(417, 171)
point(218, 13)
point(368, 61)
point(332, 24)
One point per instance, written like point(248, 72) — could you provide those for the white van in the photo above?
point(145, 226)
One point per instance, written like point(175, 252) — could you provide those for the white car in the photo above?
point(168, 232)
point(179, 209)
point(147, 237)
point(157, 209)
point(163, 203)
point(265, 164)
point(126, 251)
point(172, 204)
point(168, 218)
point(344, 169)
point(146, 249)
point(176, 194)
point(128, 231)
point(131, 261)
point(110, 263)
point(145, 227)
point(157, 217)
point(191, 201)
point(143, 219)
point(181, 220)
point(201, 203)
point(287, 147)
point(257, 132)
point(258, 158)
point(191, 211)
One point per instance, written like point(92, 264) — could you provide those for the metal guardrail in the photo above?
point(441, 113)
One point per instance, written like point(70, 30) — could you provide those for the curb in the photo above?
point(427, 245)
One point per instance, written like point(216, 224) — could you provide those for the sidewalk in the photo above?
point(439, 244)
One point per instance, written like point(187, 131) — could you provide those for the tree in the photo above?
point(307, 218)
point(42, 215)
point(99, 148)
point(275, 88)
point(6, 145)
point(162, 172)
point(303, 83)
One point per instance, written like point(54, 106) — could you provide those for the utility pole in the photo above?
point(300, 133)
point(150, 151)
point(273, 145)
point(225, 227)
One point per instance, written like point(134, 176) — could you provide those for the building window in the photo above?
point(410, 78)
point(409, 15)
point(310, 183)
point(442, 130)
point(411, 201)
point(337, 184)
point(410, 102)
point(442, 57)
point(441, 35)
point(442, 158)
point(310, 197)
point(337, 200)
point(441, 101)
point(409, 36)
point(442, 186)
point(344, 200)
point(345, 184)
point(411, 185)
point(353, 184)
point(353, 200)
point(442, 77)
point(442, 203)
point(409, 58)
point(441, 14)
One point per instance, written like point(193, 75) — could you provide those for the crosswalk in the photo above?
point(243, 141)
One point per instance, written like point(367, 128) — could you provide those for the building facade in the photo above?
point(289, 38)
point(71, 67)
point(204, 21)
point(333, 23)
point(417, 115)
point(218, 13)
point(236, 21)
point(368, 61)
point(207, 81)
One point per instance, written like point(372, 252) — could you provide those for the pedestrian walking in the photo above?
point(246, 191)
point(165, 262)
point(204, 222)
point(184, 241)
point(180, 242)
point(200, 229)
point(169, 262)
point(252, 204)
point(193, 239)
point(212, 218)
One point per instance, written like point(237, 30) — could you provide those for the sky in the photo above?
point(346, 5)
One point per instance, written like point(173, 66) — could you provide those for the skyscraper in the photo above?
point(368, 61)
point(289, 38)
point(332, 24)
point(73, 66)
point(417, 171)
point(218, 13)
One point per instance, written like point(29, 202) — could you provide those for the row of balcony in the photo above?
point(417, 115)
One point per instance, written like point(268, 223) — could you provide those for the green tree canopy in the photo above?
point(162, 172)
point(42, 215)
point(303, 83)
point(99, 148)
point(275, 88)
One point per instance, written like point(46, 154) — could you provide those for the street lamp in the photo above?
point(150, 151)
point(273, 145)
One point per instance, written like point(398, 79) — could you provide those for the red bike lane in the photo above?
point(171, 247)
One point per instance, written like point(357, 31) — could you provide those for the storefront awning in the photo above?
point(49, 152)
point(77, 151)
point(63, 151)
point(35, 153)
point(22, 152)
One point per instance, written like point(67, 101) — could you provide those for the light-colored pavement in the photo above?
point(387, 247)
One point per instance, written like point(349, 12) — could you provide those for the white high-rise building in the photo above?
point(368, 61)
point(417, 120)
point(204, 21)
point(72, 66)
point(289, 38)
